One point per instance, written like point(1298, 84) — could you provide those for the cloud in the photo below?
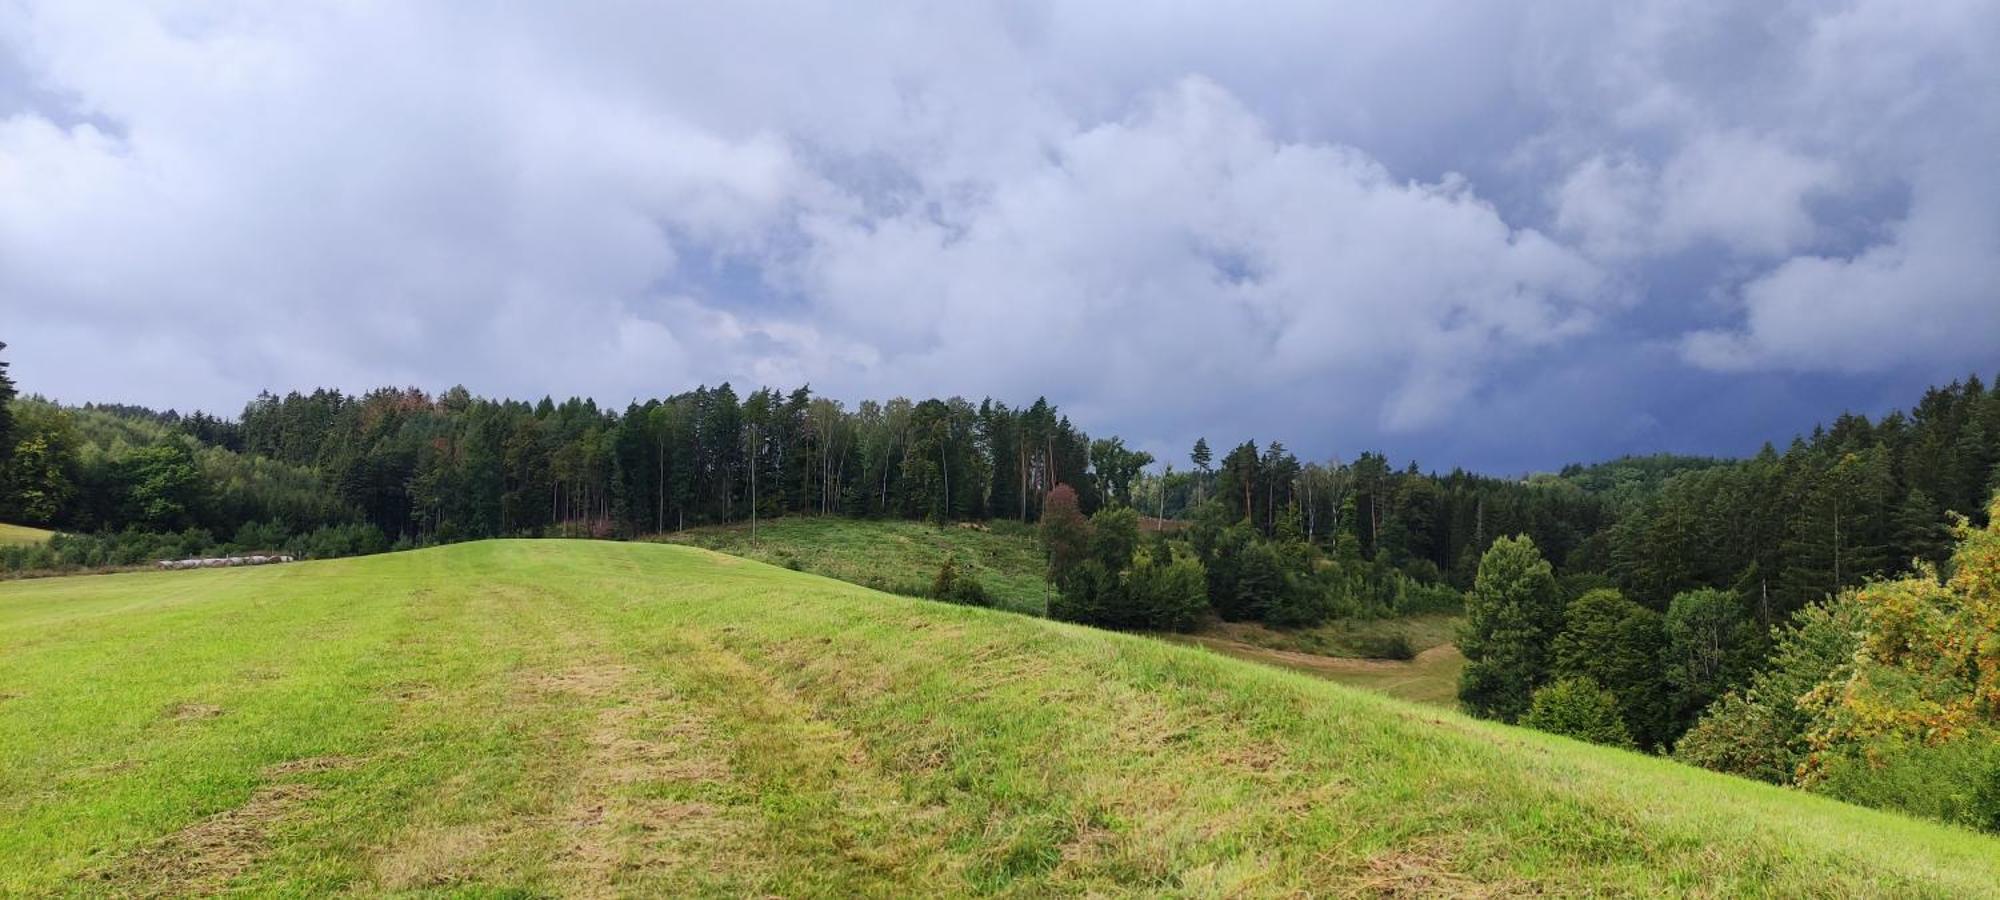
point(1181, 249)
point(1748, 195)
point(1932, 290)
point(1341, 224)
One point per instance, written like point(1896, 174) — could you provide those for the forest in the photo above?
point(1633, 602)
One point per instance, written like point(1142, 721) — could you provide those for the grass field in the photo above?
point(593, 718)
point(23, 534)
point(891, 555)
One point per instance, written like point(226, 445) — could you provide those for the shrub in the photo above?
point(330, 541)
point(1760, 732)
point(1985, 807)
point(1956, 781)
point(1578, 708)
point(1084, 594)
point(1164, 593)
point(1386, 646)
point(953, 586)
point(260, 536)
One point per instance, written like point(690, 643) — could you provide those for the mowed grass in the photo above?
point(23, 534)
point(898, 556)
point(594, 718)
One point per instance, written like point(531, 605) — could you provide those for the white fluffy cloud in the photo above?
point(1746, 194)
point(1182, 250)
point(1153, 216)
point(1932, 287)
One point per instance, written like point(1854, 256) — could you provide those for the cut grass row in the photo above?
point(561, 717)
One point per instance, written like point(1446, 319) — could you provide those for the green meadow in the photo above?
point(23, 534)
point(894, 555)
point(525, 718)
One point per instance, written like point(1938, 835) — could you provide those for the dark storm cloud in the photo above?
point(1501, 237)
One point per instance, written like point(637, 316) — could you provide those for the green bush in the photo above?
point(1386, 646)
point(1165, 593)
point(331, 541)
point(953, 586)
point(1958, 781)
point(1578, 708)
point(1985, 807)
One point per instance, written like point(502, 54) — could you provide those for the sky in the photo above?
point(1502, 236)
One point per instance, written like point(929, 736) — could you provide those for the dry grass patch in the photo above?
point(202, 858)
point(185, 712)
point(1420, 870)
point(631, 816)
point(310, 765)
point(434, 857)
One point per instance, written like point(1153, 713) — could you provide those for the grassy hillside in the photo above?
point(587, 718)
point(23, 534)
point(891, 555)
point(902, 557)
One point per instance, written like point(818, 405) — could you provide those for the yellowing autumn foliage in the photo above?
point(1928, 666)
point(1914, 720)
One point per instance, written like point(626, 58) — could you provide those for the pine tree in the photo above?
point(1921, 532)
point(1202, 458)
point(6, 421)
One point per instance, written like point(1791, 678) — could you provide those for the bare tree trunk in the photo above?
point(1021, 448)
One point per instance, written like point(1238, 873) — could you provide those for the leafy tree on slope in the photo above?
point(1513, 614)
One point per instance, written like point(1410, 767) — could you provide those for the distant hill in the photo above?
point(1629, 481)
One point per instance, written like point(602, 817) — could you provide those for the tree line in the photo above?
point(1850, 501)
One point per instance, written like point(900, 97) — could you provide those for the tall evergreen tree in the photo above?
point(1203, 458)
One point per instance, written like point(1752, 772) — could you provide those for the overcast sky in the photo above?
point(1504, 236)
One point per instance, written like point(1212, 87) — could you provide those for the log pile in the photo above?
point(221, 562)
